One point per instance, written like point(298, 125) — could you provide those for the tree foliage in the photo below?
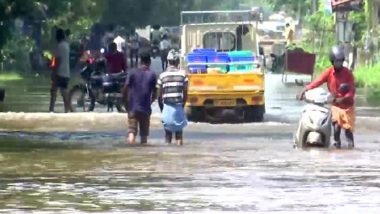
point(63, 13)
point(290, 5)
point(132, 13)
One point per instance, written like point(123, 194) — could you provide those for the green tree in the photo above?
point(64, 13)
point(293, 7)
point(9, 10)
point(132, 13)
point(76, 15)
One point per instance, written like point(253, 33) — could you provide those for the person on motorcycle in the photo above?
point(116, 61)
point(155, 39)
point(172, 95)
point(340, 82)
point(164, 50)
point(155, 35)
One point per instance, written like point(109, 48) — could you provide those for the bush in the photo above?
point(368, 76)
point(16, 54)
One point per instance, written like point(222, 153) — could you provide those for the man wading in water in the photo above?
point(340, 82)
point(60, 71)
point(140, 89)
point(172, 91)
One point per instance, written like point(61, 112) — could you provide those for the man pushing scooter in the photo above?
point(340, 82)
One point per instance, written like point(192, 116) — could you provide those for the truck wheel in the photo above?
point(195, 114)
point(2, 94)
point(254, 113)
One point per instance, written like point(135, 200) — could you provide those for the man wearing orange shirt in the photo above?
point(341, 84)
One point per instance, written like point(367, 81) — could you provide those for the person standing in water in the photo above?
point(60, 71)
point(140, 89)
point(172, 86)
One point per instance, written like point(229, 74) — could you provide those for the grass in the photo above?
point(369, 78)
point(10, 76)
point(321, 64)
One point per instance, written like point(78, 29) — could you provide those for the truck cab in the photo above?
point(220, 54)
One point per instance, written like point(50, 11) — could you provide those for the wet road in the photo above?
point(244, 167)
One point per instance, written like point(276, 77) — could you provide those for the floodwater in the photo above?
point(80, 163)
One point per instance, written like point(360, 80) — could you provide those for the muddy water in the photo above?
point(250, 168)
point(51, 165)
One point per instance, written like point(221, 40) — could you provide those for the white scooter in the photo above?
point(314, 129)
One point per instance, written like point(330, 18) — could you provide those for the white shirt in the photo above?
point(120, 43)
point(63, 54)
point(164, 44)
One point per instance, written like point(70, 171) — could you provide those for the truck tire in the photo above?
point(254, 113)
point(2, 94)
point(195, 114)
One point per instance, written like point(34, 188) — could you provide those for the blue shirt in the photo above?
point(141, 84)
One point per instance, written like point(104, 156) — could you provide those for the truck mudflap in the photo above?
point(230, 115)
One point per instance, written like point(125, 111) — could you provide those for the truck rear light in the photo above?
point(197, 82)
point(257, 99)
point(193, 100)
point(250, 81)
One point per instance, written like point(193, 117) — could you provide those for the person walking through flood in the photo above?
point(60, 76)
point(134, 47)
point(140, 89)
point(340, 82)
point(164, 49)
point(172, 88)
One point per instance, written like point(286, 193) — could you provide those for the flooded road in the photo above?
point(250, 168)
point(78, 163)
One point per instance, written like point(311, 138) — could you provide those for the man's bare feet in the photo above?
point(131, 138)
point(179, 142)
point(144, 140)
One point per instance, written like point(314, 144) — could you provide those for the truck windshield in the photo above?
point(221, 41)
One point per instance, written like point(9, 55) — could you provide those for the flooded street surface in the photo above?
point(233, 170)
point(241, 167)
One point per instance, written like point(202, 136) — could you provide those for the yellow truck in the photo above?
point(223, 84)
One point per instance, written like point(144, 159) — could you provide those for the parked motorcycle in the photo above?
point(98, 87)
point(155, 49)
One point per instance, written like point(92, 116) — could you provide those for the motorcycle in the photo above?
point(314, 129)
point(98, 87)
point(155, 49)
